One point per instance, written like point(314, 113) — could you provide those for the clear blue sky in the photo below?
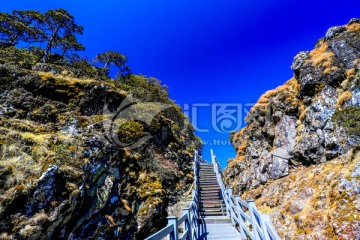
point(209, 51)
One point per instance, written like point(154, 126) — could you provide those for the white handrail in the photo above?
point(261, 226)
point(190, 215)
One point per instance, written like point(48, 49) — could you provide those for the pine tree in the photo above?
point(20, 26)
point(58, 25)
point(109, 58)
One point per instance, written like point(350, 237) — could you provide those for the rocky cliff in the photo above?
point(82, 158)
point(298, 154)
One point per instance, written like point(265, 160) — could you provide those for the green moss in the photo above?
point(349, 118)
point(130, 132)
point(150, 189)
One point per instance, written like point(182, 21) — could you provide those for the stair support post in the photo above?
point(174, 235)
point(194, 218)
point(187, 223)
point(257, 220)
point(232, 213)
point(227, 203)
point(241, 220)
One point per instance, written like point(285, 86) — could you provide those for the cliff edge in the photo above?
point(298, 155)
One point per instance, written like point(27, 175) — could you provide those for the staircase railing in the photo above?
point(189, 218)
point(244, 214)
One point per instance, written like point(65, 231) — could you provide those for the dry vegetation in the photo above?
point(321, 55)
point(308, 205)
point(355, 27)
point(343, 98)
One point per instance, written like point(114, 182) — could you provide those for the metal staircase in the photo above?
point(214, 213)
point(211, 202)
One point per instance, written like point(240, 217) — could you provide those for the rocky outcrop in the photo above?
point(317, 202)
point(73, 167)
point(312, 119)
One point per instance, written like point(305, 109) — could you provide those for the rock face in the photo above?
point(317, 202)
point(312, 119)
point(64, 172)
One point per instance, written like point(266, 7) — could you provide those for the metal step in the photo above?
point(212, 210)
point(210, 199)
point(205, 183)
point(203, 193)
point(211, 206)
point(204, 189)
point(215, 201)
point(210, 186)
point(215, 220)
point(212, 213)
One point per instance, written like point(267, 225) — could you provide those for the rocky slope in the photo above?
point(306, 133)
point(75, 165)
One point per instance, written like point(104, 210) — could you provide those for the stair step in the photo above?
point(215, 201)
point(214, 196)
point(209, 192)
point(210, 210)
point(210, 197)
point(212, 213)
point(212, 206)
point(202, 189)
point(215, 220)
point(210, 188)
point(207, 213)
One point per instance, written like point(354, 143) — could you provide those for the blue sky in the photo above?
point(207, 52)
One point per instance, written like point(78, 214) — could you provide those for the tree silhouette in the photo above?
point(109, 58)
point(21, 26)
point(59, 28)
point(69, 43)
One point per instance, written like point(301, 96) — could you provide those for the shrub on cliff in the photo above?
point(349, 118)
